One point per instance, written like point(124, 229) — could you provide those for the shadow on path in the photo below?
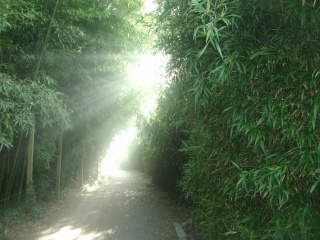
point(126, 207)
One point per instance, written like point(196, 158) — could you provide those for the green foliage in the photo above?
point(244, 104)
point(62, 68)
point(22, 102)
point(44, 157)
point(161, 139)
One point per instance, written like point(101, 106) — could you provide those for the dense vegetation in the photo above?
point(238, 124)
point(61, 69)
point(236, 128)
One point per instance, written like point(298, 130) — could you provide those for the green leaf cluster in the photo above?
point(22, 102)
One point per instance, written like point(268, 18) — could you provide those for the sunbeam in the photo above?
point(147, 78)
point(149, 72)
point(117, 153)
point(149, 6)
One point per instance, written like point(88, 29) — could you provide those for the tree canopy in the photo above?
point(62, 68)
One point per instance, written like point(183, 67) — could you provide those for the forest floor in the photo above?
point(126, 206)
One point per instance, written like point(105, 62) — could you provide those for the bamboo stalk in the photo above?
point(13, 171)
point(58, 176)
point(30, 164)
point(21, 181)
point(82, 164)
point(2, 176)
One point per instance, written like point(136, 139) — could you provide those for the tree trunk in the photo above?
point(82, 165)
point(30, 164)
point(12, 177)
point(59, 164)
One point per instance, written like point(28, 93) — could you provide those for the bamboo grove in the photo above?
point(61, 70)
point(237, 127)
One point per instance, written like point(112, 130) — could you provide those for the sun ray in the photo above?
point(145, 80)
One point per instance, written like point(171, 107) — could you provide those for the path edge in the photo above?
point(180, 232)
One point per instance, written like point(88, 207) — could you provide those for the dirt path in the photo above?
point(126, 207)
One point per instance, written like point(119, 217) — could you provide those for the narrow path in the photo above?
point(127, 207)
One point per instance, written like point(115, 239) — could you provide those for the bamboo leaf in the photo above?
point(314, 186)
point(236, 165)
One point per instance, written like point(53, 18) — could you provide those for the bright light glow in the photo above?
point(149, 73)
point(145, 79)
point(149, 6)
point(118, 151)
point(71, 234)
point(66, 232)
point(90, 188)
point(148, 77)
